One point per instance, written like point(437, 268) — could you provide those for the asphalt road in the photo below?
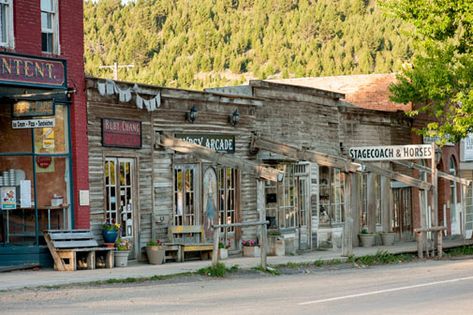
point(433, 287)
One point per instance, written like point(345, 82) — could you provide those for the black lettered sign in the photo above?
point(217, 143)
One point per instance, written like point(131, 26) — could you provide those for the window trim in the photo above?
point(10, 36)
point(54, 28)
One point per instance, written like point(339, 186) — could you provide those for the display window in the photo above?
point(35, 176)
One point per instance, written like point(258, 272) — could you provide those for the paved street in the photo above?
point(432, 287)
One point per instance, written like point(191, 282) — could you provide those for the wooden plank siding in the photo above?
point(155, 164)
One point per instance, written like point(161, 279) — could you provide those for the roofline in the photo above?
point(303, 89)
point(201, 93)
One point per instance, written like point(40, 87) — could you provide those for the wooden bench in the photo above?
point(77, 249)
point(187, 239)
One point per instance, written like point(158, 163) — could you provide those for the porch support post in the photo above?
point(355, 205)
point(260, 205)
point(215, 248)
point(371, 214)
point(347, 244)
point(435, 208)
point(386, 204)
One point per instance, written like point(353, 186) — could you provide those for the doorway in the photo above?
point(120, 196)
point(402, 216)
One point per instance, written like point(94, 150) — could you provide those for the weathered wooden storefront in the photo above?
point(152, 190)
point(312, 131)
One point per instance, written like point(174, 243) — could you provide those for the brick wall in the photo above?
point(27, 30)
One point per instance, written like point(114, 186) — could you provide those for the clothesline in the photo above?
point(109, 87)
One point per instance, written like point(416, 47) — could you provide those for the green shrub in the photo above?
point(217, 271)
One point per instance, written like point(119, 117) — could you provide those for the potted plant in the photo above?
point(366, 238)
point(222, 251)
point(251, 248)
point(155, 252)
point(110, 232)
point(388, 238)
point(276, 245)
point(123, 247)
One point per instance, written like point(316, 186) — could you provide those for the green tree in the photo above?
point(439, 80)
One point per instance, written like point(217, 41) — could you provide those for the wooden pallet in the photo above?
point(76, 249)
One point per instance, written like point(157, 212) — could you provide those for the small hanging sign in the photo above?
point(121, 133)
point(33, 123)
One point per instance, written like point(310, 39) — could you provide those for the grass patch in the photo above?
point(459, 251)
point(381, 257)
point(271, 270)
point(217, 271)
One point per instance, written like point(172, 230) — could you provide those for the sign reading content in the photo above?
point(20, 70)
point(392, 152)
point(121, 133)
point(218, 143)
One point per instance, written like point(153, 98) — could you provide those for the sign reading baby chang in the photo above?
point(121, 133)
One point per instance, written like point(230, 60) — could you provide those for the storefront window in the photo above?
point(286, 201)
point(331, 192)
point(34, 185)
point(185, 195)
point(227, 193)
point(376, 189)
point(52, 140)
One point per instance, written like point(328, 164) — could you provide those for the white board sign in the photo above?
point(33, 123)
point(392, 152)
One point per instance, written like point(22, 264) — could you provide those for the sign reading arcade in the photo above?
point(392, 152)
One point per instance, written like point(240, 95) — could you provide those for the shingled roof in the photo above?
point(370, 91)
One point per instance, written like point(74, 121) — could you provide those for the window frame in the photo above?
point(54, 30)
point(9, 33)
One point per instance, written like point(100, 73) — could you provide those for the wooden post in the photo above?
point(347, 244)
point(355, 205)
point(420, 251)
point(371, 213)
point(439, 244)
point(386, 204)
point(262, 212)
point(215, 249)
point(435, 208)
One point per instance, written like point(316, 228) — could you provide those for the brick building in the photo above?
point(43, 132)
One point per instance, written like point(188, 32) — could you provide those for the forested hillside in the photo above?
point(206, 43)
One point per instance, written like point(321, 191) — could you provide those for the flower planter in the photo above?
point(251, 251)
point(388, 238)
point(121, 258)
point(109, 236)
point(367, 240)
point(155, 254)
point(277, 247)
point(222, 253)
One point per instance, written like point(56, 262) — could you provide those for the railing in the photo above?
point(421, 238)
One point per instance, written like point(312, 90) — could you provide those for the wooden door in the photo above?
point(402, 216)
point(120, 196)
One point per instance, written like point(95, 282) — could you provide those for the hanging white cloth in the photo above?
point(101, 88)
point(158, 99)
point(110, 87)
point(147, 104)
point(139, 101)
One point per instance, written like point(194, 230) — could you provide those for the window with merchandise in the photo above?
point(35, 171)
